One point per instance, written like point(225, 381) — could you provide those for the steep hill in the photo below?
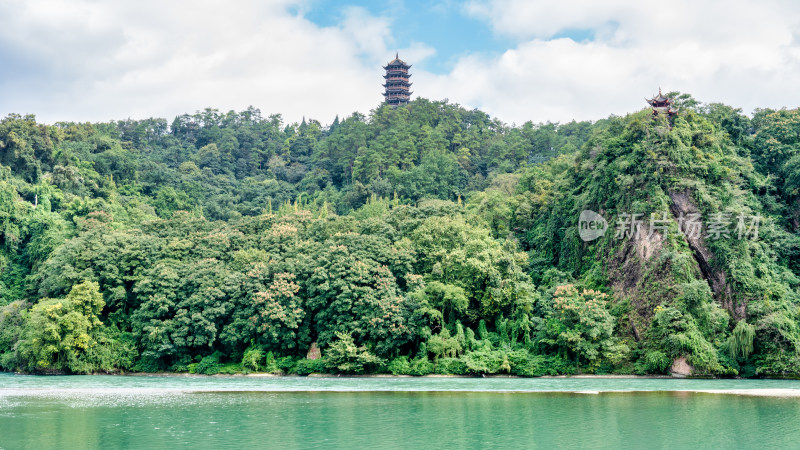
point(709, 256)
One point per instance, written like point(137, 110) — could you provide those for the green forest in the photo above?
point(426, 239)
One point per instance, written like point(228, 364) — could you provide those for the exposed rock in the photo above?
point(680, 368)
point(633, 270)
point(682, 205)
point(314, 352)
point(637, 271)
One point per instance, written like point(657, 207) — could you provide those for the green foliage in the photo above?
point(209, 365)
point(229, 369)
point(454, 252)
point(309, 366)
point(451, 300)
point(61, 335)
point(487, 361)
point(678, 335)
point(740, 342)
point(344, 356)
point(12, 321)
point(418, 366)
point(443, 346)
point(657, 362)
point(357, 296)
point(286, 364)
point(526, 364)
point(399, 366)
point(226, 242)
point(580, 327)
point(270, 363)
point(451, 366)
point(251, 360)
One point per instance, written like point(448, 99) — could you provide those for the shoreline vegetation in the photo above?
point(423, 239)
point(389, 375)
point(329, 375)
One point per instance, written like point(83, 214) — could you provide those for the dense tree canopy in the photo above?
point(422, 239)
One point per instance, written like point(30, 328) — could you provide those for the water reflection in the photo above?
point(401, 419)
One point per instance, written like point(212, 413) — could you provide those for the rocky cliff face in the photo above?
point(633, 272)
point(682, 206)
point(642, 269)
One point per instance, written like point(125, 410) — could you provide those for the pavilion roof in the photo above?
point(660, 98)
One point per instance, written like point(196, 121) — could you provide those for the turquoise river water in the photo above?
point(297, 412)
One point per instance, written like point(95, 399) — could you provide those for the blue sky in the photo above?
point(518, 60)
point(444, 26)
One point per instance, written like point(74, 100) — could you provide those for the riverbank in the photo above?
point(579, 384)
point(379, 375)
point(386, 375)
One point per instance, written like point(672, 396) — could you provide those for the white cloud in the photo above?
point(101, 60)
point(91, 60)
point(738, 52)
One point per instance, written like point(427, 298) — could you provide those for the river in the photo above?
point(300, 412)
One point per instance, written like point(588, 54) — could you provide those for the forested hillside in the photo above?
point(423, 239)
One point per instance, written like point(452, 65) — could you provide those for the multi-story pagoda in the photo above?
point(661, 104)
point(397, 85)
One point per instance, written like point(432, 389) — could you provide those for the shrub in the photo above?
point(270, 364)
point(307, 366)
point(420, 366)
point(444, 346)
point(60, 334)
point(399, 366)
point(486, 361)
point(251, 360)
point(451, 366)
point(656, 362)
point(286, 364)
point(581, 327)
point(344, 356)
point(208, 365)
point(740, 342)
point(523, 363)
point(229, 369)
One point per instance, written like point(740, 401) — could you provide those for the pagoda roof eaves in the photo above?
point(397, 61)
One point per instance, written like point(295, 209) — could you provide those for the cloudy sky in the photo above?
point(519, 60)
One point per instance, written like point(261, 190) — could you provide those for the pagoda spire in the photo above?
point(397, 85)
